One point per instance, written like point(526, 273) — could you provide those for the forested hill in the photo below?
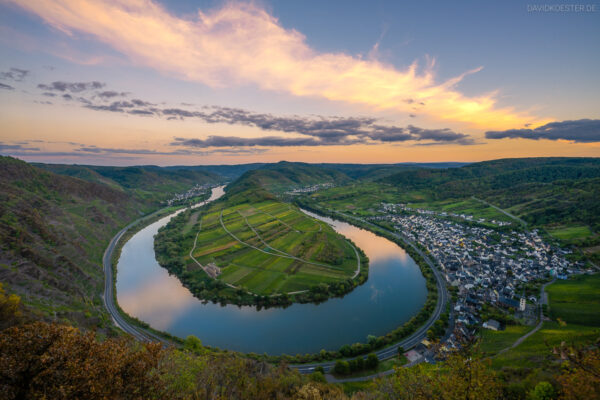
point(53, 232)
point(283, 176)
point(497, 174)
point(147, 183)
point(540, 190)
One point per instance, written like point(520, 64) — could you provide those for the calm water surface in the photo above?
point(394, 292)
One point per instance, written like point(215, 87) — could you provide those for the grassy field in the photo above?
point(270, 248)
point(494, 341)
point(568, 233)
point(367, 197)
point(576, 302)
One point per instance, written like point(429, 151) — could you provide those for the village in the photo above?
point(195, 191)
point(484, 267)
point(310, 189)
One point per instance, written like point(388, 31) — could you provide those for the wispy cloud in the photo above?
point(582, 130)
point(73, 87)
point(17, 147)
point(362, 134)
point(240, 44)
point(14, 74)
point(78, 150)
point(318, 130)
point(6, 87)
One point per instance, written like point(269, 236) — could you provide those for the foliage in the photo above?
point(54, 361)
point(11, 312)
point(580, 377)
point(543, 391)
point(464, 375)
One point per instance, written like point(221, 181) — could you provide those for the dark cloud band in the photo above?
point(316, 131)
point(582, 131)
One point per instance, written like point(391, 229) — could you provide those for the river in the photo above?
point(394, 292)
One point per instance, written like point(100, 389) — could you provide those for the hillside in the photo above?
point(284, 176)
point(53, 232)
point(231, 172)
point(150, 184)
point(558, 194)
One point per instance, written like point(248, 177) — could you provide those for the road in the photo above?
point(413, 339)
point(109, 296)
point(383, 354)
point(543, 300)
point(501, 210)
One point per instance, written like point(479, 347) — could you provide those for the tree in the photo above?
point(580, 377)
point(318, 377)
point(193, 344)
point(56, 362)
point(341, 367)
point(10, 309)
point(543, 391)
point(464, 376)
point(372, 361)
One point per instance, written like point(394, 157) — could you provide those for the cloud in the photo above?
point(16, 147)
point(73, 87)
point(242, 44)
point(369, 134)
point(14, 74)
point(233, 141)
point(113, 151)
point(326, 130)
point(83, 151)
point(7, 87)
point(582, 131)
point(440, 135)
point(318, 130)
point(107, 94)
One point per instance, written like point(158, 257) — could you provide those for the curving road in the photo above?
point(543, 300)
point(383, 354)
point(413, 339)
point(109, 296)
point(501, 210)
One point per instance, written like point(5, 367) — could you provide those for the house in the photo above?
point(508, 303)
point(492, 324)
point(522, 304)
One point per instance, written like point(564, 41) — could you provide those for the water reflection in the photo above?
point(394, 292)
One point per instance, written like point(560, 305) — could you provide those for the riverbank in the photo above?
point(324, 355)
point(264, 254)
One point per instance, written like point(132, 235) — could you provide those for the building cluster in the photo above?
point(483, 264)
point(310, 189)
point(394, 208)
point(195, 191)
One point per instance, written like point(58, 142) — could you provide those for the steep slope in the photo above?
point(283, 176)
point(53, 231)
point(230, 172)
point(541, 190)
point(147, 183)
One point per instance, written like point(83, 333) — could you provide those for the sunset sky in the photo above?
point(130, 82)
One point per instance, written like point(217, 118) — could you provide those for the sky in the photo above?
point(180, 82)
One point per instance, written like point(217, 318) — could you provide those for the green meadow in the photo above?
point(269, 248)
point(574, 310)
point(568, 233)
